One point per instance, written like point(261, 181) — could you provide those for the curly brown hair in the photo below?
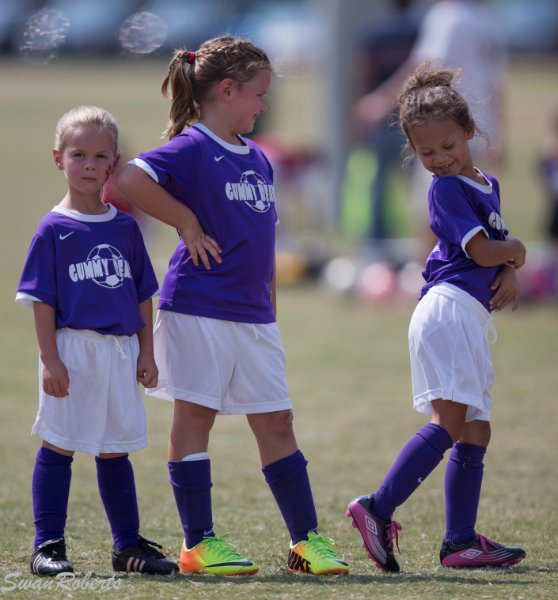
point(428, 94)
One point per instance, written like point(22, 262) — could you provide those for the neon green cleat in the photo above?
point(215, 556)
point(316, 555)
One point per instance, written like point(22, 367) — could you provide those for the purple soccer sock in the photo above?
point(117, 488)
point(191, 485)
point(463, 481)
point(290, 486)
point(417, 459)
point(50, 488)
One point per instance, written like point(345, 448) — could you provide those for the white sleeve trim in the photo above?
point(26, 299)
point(468, 236)
point(145, 167)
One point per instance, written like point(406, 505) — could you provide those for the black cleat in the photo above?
point(49, 559)
point(143, 558)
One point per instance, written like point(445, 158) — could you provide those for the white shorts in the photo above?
point(450, 351)
point(233, 368)
point(104, 410)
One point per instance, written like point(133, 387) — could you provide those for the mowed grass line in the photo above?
point(349, 380)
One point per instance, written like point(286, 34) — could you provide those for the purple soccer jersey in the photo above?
point(230, 190)
point(93, 270)
point(460, 208)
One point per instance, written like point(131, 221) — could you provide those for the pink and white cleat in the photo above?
point(378, 534)
point(479, 552)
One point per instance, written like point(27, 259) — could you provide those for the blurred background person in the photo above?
point(382, 49)
point(548, 170)
point(458, 34)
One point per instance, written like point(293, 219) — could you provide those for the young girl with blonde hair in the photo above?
point(217, 343)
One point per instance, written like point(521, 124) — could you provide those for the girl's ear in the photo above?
point(470, 130)
point(57, 159)
point(112, 168)
point(116, 161)
point(226, 87)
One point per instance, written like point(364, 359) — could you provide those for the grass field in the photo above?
point(349, 380)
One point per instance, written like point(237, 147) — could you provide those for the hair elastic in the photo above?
point(190, 57)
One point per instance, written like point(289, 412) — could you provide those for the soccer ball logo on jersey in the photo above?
point(253, 190)
point(104, 265)
point(495, 221)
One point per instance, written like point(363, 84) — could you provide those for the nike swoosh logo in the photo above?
point(63, 237)
point(218, 158)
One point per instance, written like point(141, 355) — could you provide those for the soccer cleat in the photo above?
point(479, 552)
point(49, 559)
point(215, 555)
point(143, 558)
point(316, 555)
point(378, 534)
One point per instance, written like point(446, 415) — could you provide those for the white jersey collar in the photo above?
point(245, 149)
point(486, 189)
point(74, 214)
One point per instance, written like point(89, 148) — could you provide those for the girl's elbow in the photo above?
point(482, 262)
point(126, 181)
point(120, 179)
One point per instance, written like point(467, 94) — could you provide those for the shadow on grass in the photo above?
point(467, 578)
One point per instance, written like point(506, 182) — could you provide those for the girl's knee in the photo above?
point(477, 433)
point(281, 423)
point(56, 449)
point(109, 455)
point(189, 414)
point(451, 416)
point(276, 424)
